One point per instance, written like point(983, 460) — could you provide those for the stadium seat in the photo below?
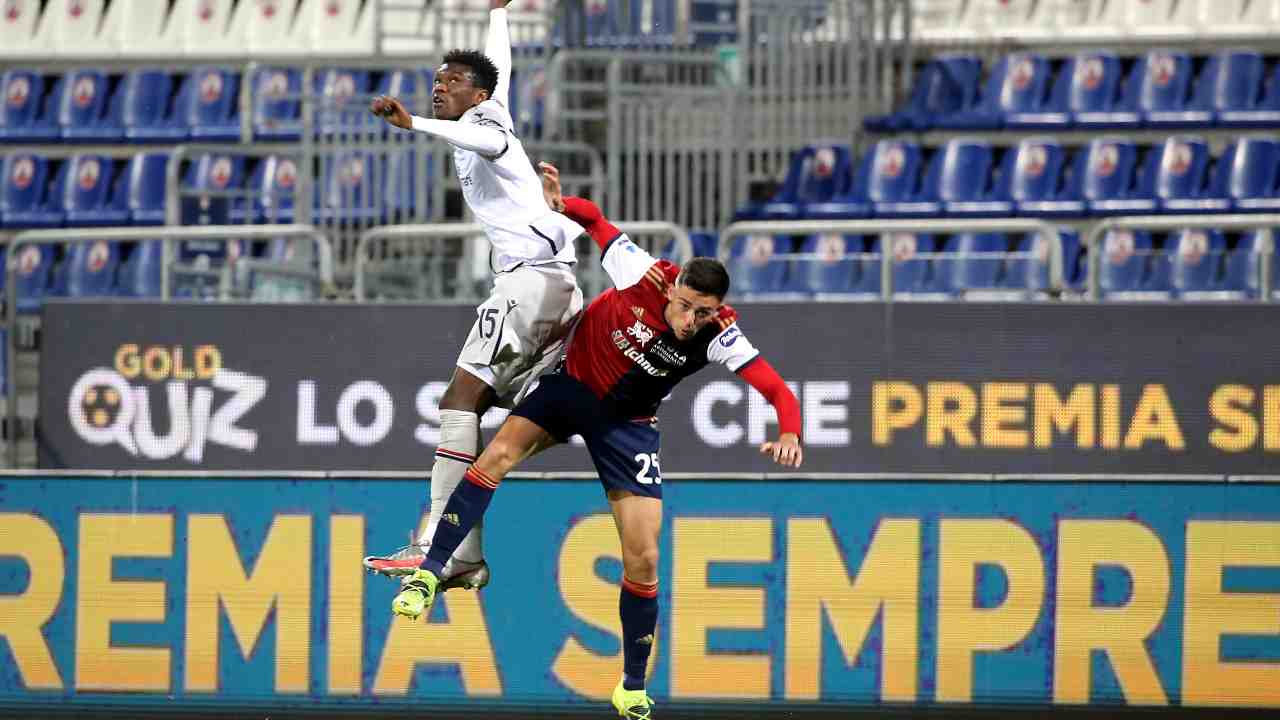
point(218, 181)
point(72, 28)
point(1034, 175)
point(344, 96)
point(957, 180)
point(817, 174)
point(888, 173)
point(286, 273)
point(940, 20)
point(1124, 262)
point(1019, 83)
point(89, 270)
point(946, 85)
point(1250, 171)
point(1033, 274)
point(26, 116)
point(269, 28)
point(277, 104)
point(1260, 104)
point(1114, 182)
point(1018, 19)
point(209, 103)
point(35, 271)
point(1163, 18)
point(18, 38)
point(1164, 90)
point(273, 187)
point(139, 30)
point(92, 194)
point(909, 271)
point(1182, 179)
point(1096, 97)
point(334, 27)
point(712, 22)
point(1243, 274)
point(1194, 259)
point(1093, 19)
point(89, 109)
point(31, 198)
point(149, 113)
point(145, 178)
point(1240, 18)
point(351, 188)
point(976, 263)
point(758, 265)
point(139, 275)
point(705, 244)
point(828, 264)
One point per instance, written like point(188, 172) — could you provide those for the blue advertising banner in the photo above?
point(241, 591)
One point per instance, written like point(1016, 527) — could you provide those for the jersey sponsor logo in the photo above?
point(641, 332)
point(668, 354)
point(730, 336)
point(636, 356)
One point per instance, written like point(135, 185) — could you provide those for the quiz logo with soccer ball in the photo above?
point(205, 402)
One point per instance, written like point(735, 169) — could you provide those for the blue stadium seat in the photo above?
point(89, 270)
point(713, 21)
point(1195, 259)
point(145, 183)
point(351, 186)
point(910, 272)
point(828, 264)
point(35, 270)
point(273, 187)
point(1253, 182)
point(1182, 178)
point(1244, 266)
point(817, 174)
point(1019, 83)
point(977, 264)
point(1163, 86)
point(1033, 274)
point(958, 179)
point(1077, 80)
point(92, 193)
point(209, 103)
point(704, 244)
point(1124, 261)
point(149, 113)
point(89, 109)
point(1114, 182)
point(758, 265)
point(277, 103)
point(1260, 110)
point(139, 275)
point(1034, 172)
point(25, 116)
point(1231, 82)
point(403, 171)
point(215, 172)
point(1095, 97)
point(31, 198)
point(343, 96)
point(946, 85)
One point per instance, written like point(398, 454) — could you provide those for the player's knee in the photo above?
point(500, 456)
point(641, 562)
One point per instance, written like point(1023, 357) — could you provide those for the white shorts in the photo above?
point(521, 329)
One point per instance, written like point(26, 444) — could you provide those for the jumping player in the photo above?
point(633, 344)
point(521, 328)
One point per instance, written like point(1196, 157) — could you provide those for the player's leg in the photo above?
point(626, 456)
point(465, 400)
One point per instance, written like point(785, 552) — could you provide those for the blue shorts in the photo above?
point(625, 452)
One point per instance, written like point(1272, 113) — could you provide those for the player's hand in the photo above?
point(551, 186)
point(785, 450)
point(391, 110)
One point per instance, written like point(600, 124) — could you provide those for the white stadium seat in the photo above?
point(1240, 18)
point(18, 22)
point(1163, 18)
point(140, 29)
point(1093, 18)
point(947, 20)
point(199, 28)
point(70, 28)
point(1019, 19)
point(269, 27)
point(334, 27)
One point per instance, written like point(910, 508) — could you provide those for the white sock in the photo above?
point(459, 438)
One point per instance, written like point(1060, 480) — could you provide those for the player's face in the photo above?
point(454, 92)
point(688, 310)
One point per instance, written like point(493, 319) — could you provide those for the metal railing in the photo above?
point(1047, 231)
point(433, 233)
point(1096, 232)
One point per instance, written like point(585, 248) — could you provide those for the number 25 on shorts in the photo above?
point(647, 462)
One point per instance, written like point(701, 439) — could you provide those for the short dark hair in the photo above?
point(705, 275)
point(484, 74)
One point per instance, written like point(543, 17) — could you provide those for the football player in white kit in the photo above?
point(521, 328)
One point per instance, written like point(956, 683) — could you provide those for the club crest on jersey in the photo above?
point(637, 311)
point(641, 332)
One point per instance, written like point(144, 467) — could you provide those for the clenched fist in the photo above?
point(391, 110)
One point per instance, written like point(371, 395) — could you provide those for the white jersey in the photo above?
point(505, 194)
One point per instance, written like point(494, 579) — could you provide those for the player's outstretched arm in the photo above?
point(483, 139)
point(786, 450)
point(497, 47)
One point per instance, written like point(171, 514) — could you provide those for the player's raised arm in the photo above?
point(732, 349)
point(497, 47)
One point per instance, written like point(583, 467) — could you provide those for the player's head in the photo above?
point(465, 79)
point(696, 296)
